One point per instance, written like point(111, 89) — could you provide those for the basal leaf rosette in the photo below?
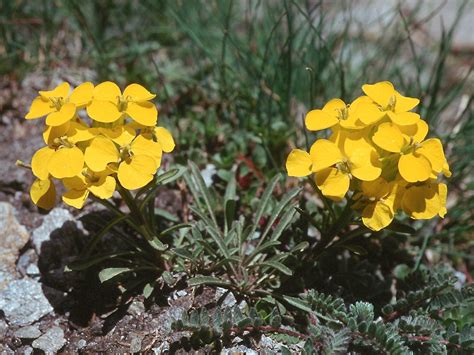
point(377, 155)
point(97, 138)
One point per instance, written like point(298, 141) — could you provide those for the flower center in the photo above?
point(126, 152)
point(391, 103)
point(343, 113)
point(57, 102)
point(122, 102)
point(62, 142)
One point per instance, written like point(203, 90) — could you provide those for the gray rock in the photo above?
point(51, 341)
point(136, 343)
point(3, 328)
point(29, 257)
point(160, 349)
point(27, 350)
point(240, 349)
point(30, 332)
point(136, 308)
point(54, 220)
point(81, 344)
point(23, 302)
point(13, 237)
point(32, 270)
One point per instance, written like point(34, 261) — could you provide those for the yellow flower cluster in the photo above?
point(117, 141)
point(377, 149)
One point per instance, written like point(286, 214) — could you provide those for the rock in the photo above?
point(23, 302)
point(27, 350)
point(13, 237)
point(30, 332)
point(229, 300)
point(136, 308)
point(51, 341)
point(54, 220)
point(3, 328)
point(32, 270)
point(136, 343)
point(240, 349)
point(81, 344)
point(162, 348)
point(27, 258)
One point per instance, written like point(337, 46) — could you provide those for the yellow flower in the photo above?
point(78, 187)
point(109, 104)
point(377, 201)
point(425, 200)
point(419, 160)
point(392, 102)
point(58, 105)
point(357, 115)
point(43, 193)
point(137, 160)
point(334, 169)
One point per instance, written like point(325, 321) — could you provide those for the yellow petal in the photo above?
point(381, 92)
point(39, 162)
point(144, 113)
point(39, 107)
point(66, 162)
point(79, 132)
point(107, 91)
point(404, 104)
point(446, 170)
point(43, 194)
point(333, 183)
point(62, 90)
point(298, 163)
point(422, 202)
point(136, 172)
point(432, 149)
point(101, 152)
point(53, 132)
point(75, 198)
point(164, 137)
point(137, 93)
point(404, 118)
point(104, 188)
point(103, 111)
point(377, 215)
point(417, 131)
point(334, 106)
point(365, 110)
point(144, 146)
point(82, 95)
point(377, 188)
point(75, 183)
point(65, 114)
point(122, 135)
point(364, 164)
point(389, 137)
point(414, 168)
point(318, 119)
point(443, 194)
point(324, 154)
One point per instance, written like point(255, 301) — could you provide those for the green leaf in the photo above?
point(207, 280)
point(279, 209)
point(283, 224)
point(148, 289)
point(278, 266)
point(401, 228)
point(175, 228)
point(109, 273)
point(218, 240)
point(229, 212)
point(205, 194)
point(298, 303)
point(166, 215)
point(83, 264)
point(157, 244)
point(356, 249)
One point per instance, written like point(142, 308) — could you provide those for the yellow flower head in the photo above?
point(90, 155)
point(378, 150)
point(109, 104)
point(58, 106)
